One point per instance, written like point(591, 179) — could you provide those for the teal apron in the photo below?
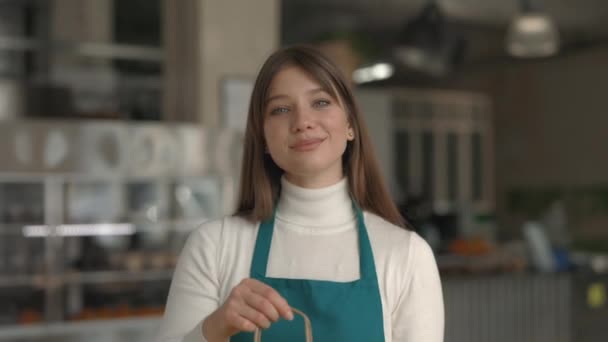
point(338, 311)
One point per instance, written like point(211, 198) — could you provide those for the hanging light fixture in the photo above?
point(375, 72)
point(532, 33)
point(428, 43)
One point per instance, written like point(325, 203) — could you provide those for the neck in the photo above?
point(315, 207)
point(314, 182)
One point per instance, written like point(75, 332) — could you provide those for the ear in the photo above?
point(350, 134)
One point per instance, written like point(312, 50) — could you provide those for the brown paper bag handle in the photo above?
point(257, 337)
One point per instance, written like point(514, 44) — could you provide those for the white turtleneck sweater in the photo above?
point(315, 237)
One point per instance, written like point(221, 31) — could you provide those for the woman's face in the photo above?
point(306, 130)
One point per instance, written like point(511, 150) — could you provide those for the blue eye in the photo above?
point(279, 110)
point(321, 103)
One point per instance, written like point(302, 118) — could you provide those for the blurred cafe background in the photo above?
point(121, 127)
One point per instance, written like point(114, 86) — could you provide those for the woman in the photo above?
point(315, 229)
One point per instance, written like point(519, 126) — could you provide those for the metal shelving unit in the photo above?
point(100, 327)
point(94, 216)
point(75, 277)
point(86, 49)
point(58, 59)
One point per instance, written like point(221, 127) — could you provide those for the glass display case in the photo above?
point(90, 241)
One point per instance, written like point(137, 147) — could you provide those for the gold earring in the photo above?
point(351, 135)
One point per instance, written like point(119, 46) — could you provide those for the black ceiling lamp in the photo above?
point(429, 44)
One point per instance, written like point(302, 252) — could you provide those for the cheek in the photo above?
point(273, 133)
point(338, 125)
point(338, 118)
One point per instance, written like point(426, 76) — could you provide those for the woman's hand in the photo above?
point(251, 304)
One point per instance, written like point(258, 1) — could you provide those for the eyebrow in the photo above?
point(280, 96)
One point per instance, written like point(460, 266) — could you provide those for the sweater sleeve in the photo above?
point(419, 312)
point(194, 292)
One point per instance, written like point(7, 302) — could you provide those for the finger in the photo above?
point(256, 317)
point(241, 323)
point(263, 305)
point(273, 296)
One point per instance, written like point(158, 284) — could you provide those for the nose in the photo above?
point(302, 119)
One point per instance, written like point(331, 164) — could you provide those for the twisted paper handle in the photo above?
point(257, 337)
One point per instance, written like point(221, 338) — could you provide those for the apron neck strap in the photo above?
point(259, 262)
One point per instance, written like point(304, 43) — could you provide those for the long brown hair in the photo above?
point(260, 176)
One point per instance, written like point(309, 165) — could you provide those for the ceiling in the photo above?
point(582, 23)
point(581, 16)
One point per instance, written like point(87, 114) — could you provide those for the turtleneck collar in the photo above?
point(315, 208)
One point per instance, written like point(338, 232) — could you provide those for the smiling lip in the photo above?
point(306, 145)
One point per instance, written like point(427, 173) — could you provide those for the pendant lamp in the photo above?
point(532, 33)
point(429, 44)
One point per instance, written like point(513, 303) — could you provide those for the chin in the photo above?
point(306, 171)
point(308, 165)
point(309, 169)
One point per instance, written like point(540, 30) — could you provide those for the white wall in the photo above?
point(376, 107)
point(236, 36)
point(207, 41)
